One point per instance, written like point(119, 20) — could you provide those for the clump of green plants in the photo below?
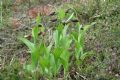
point(47, 60)
point(78, 38)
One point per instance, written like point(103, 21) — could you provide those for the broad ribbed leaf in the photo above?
point(29, 44)
point(65, 55)
point(75, 35)
point(81, 39)
point(70, 17)
point(57, 53)
point(49, 48)
point(65, 31)
point(35, 55)
point(35, 31)
point(56, 38)
point(61, 14)
point(38, 20)
point(65, 59)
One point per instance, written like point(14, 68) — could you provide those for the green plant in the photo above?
point(47, 60)
point(62, 44)
point(34, 48)
point(78, 38)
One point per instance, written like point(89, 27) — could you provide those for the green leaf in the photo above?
point(65, 55)
point(52, 64)
point(65, 60)
point(70, 17)
point(46, 70)
point(38, 20)
point(29, 68)
point(87, 54)
point(49, 48)
point(35, 31)
point(81, 39)
point(60, 28)
point(61, 14)
point(56, 38)
point(57, 53)
point(65, 31)
point(29, 44)
point(42, 28)
point(44, 62)
point(35, 55)
point(42, 48)
point(75, 35)
point(52, 59)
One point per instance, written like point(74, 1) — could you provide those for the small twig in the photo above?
point(12, 60)
point(82, 76)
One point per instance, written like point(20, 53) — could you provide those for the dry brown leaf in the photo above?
point(42, 10)
point(15, 23)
